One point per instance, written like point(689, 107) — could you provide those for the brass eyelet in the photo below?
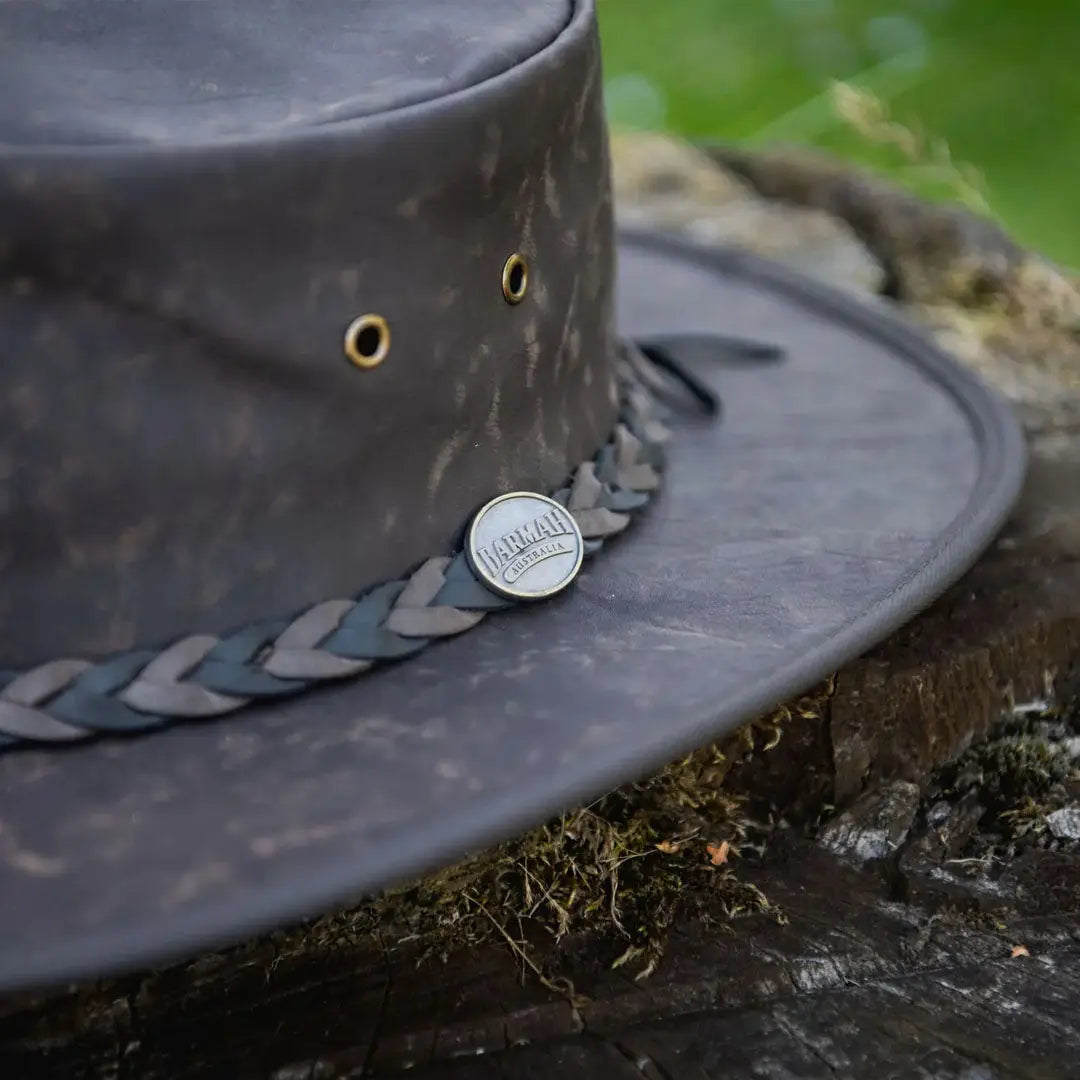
point(515, 278)
point(367, 341)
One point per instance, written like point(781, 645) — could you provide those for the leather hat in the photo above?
point(293, 295)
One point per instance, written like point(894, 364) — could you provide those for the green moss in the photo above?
point(1019, 775)
point(620, 870)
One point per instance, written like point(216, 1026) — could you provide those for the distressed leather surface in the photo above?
point(190, 218)
point(99, 72)
point(844, 489)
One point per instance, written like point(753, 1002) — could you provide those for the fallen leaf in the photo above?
point(718, 853)
point(1019, 950)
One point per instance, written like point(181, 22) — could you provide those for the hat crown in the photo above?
point(93, 72)
point(188, 444)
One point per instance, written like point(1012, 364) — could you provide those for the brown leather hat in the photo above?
point(293, 295)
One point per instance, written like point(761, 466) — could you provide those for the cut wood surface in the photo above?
point(924, 917)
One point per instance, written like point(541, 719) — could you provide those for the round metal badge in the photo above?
point(525, 546)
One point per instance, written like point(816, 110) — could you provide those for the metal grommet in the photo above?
point(367, 341)
point(515, 278)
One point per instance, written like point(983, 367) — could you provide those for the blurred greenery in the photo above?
point(977, 99)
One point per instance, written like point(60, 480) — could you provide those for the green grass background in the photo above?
point(997, 80)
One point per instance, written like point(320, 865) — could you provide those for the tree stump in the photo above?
point(922, 867)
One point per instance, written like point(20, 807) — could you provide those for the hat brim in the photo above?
point(843, 490)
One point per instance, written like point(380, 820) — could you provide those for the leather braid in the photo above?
point(203, 675)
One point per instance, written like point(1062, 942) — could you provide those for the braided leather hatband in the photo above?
point(204, 675)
